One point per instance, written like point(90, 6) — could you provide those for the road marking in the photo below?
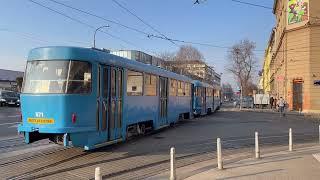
point(317, 156)
point(14, 126)
point(9, 123)
point(14, 116)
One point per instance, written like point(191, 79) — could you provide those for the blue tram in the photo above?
point(93, 98)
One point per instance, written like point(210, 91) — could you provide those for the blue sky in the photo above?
point(25, 25)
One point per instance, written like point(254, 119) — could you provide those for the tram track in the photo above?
point(128, 165)
point(133, 159)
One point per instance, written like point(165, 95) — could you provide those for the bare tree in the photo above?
point(167, 56)
point(175, 62)
point(19, 81)
point(187, 52)
point(242, 63)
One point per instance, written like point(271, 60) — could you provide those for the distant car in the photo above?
point(9, 98)
point(247, 102)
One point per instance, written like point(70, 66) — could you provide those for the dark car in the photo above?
point(9, 98)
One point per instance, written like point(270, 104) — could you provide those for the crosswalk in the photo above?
point(316, 156)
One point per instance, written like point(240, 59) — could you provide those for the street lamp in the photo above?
point(95, 32)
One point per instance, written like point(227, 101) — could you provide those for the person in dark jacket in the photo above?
point(271, 102)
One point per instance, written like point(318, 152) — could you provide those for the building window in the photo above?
point(134, 83)
point(150, 85)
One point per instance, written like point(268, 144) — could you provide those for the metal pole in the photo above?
point(241, 96)
point(257, 149)
point(290, 139)
point(172, 164)
point(97, 174)
point(94, 36)
point(219, 154)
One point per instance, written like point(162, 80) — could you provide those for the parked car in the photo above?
point(247, 102)
point(9, 98)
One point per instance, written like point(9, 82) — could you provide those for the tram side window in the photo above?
point(134, 83)
point(198, 91)
point(173, 87)
point(209, 92)
point(150, 85)
point(187, 89)
point(180, 88)
point(79, 78)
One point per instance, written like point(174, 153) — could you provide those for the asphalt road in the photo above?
point(9, 120)
point(145, 156)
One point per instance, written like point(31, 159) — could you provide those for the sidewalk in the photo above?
point(262, 110)
point(299, 164)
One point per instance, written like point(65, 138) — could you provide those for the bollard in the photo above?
point(219, 154)
point(97, 174)
point(290, 139)
point(257, 149)
point(172, 164)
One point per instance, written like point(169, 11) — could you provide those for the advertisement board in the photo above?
point(298, 11)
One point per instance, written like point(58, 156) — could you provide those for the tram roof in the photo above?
point(203, 84)
point(96, 55)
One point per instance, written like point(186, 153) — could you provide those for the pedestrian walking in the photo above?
point(282, 104)
point(275, 103)
point(271, 102)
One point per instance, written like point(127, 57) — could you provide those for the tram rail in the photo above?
point(129, 165)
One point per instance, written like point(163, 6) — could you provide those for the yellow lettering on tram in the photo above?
point(40, 121)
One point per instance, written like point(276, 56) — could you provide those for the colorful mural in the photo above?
point(298, 11)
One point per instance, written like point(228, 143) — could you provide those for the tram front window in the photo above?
point(62, 77)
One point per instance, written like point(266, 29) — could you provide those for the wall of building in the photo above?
point(296, 53)
point(297, 61)
point(315, 66)
point(266, 71)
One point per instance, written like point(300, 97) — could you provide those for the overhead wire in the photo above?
point(100, 17)
point(135, 29)
point(279, 10)
point(149, 35)
point(83, 23)
point(266, 7)
point(34, 37)
point(143, 21)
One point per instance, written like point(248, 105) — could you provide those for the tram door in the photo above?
point(163, 106)
point(111, 106)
